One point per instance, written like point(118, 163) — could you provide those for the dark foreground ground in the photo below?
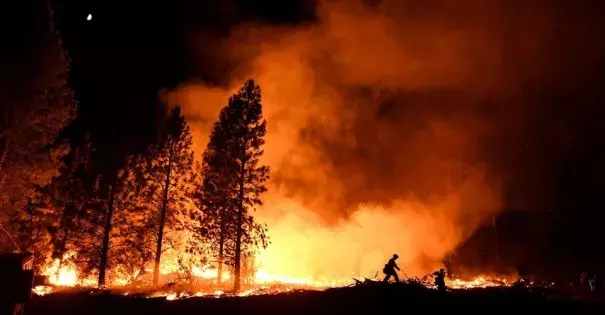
point(359, 300)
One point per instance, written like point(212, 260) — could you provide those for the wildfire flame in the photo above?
point(62, 274)
point(66, 276)
point(457, 283)
point(478, 282)
point(42, 290)
point(425, 172)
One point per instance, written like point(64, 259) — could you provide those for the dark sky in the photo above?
point(128, 52)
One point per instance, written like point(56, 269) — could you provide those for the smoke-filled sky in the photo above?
point(404, 106)
point(392, 125)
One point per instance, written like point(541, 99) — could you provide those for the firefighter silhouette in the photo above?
point(389, 269)
point(440, 279)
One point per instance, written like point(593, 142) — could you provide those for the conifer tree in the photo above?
point(54, 216)
point(36, 103)
point(234, 178)
point(216, 200)
point(132, 240)
point(169, 176)
point(109, 201)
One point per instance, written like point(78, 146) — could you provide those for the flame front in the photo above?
point(64, 273)
point(263, 282)
point(66, 276)
point(61, 274)
point(478, 282)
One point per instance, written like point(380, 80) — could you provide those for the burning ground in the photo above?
point(357, 300)
point(205, 285)
point(65, 279)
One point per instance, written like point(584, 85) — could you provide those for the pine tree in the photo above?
point(216, 198)
point(103, 222)
point(107, 188)
point(108, 181)
point(244, 130)
point(35, 106)
point(169, 174)
point(132, 242)
point(53, 217)
point(101, 219)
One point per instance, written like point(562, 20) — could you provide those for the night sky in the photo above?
point(129, 52)
point(135, 50)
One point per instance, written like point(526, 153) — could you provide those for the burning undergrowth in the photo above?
point(204, 287)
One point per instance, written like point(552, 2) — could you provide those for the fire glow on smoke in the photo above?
point(350, 187)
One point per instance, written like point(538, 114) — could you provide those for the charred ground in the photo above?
point(356, 300)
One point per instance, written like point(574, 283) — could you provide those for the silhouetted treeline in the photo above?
point(116, 214)
point(36, 103)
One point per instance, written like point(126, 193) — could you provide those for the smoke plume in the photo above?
point(380, 121)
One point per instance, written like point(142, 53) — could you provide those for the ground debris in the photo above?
point(366, 281)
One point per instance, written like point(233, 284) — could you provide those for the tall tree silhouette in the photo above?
point(110, 181)
point(243, 127)
point(169, 174)
point(216, 198)
point(35, 105)
point(94, 223)
point(51, 218)
point(109, 199)
point(132, 244)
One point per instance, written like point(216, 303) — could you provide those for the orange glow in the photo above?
point(61, 274)
point(66, 276)
point(65, 273)
point(350, 186)
point(263, 283)
point(478, 282)
point(41, 290)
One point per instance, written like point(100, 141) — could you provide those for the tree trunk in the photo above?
point(65, 228)
point(238, 234)
point(221, 249)
point(62, 245)
point(496, 241)
point(5, 143)
point(4, 149)
point(106, 232)
point(158, 250)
